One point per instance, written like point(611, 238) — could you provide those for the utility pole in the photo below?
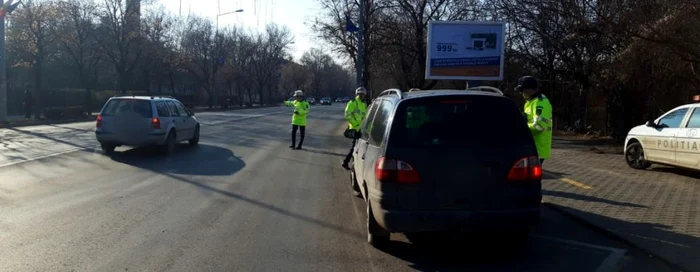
point(361, 46)
point(3, 73)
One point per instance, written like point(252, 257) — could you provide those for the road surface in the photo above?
point(240, 201)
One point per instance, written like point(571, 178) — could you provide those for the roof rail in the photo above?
point(392, 91)
point(124, 95)
point(486, 89)
point(162, 96)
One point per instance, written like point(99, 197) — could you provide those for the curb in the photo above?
point(612, 235)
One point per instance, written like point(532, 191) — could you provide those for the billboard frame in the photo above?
point(429, 47)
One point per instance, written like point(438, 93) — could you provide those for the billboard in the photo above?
point(459, 50)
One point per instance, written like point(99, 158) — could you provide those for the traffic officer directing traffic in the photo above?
point(301, 109)
point(539, 115)
point(355, 113)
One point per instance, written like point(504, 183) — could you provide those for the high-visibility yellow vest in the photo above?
point(539, 119)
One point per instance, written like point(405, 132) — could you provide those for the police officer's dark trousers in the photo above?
point(302, 132)
point(349, 156)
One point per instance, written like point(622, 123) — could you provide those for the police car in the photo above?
point(672, 139)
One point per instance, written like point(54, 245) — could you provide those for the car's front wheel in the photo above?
point(195, 138)
point(634, 156)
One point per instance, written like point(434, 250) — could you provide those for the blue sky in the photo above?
point(257, 13)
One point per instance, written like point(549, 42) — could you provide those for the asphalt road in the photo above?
point(240, 201)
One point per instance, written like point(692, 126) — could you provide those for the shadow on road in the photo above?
point(658, 239)
point(202, 160)
point(493, 251)
point(547, 174)
point(590, 199)
point(678, 171)
point(51, 137)
point(452, 254)
point(267, 206)
point(324, 152)
point(73, 129)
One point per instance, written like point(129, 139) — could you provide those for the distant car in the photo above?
point(145, 121)
point(326, 101)
point(339, 100)
point(311, 100)
point(420, 166)
point(346, 99)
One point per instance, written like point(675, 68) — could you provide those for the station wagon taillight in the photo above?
point(393, 170)
point(99, 121)
point(155, 123)
point(528, 168)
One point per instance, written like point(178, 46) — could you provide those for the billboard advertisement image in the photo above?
point(458, 50)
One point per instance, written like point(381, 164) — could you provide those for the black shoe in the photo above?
point(298, 147)
point(291, 146)
point(346, 166)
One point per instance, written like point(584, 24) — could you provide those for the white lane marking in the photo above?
point(610, 263)
point(43, 157)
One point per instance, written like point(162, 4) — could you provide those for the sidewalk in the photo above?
point(656, 210)
point(20, 121)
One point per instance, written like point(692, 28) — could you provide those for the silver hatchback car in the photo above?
point(145, 121)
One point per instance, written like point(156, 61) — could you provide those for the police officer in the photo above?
point(355, 112)
point(539, 115)
point(301, 109)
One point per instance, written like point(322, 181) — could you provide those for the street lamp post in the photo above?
point(216, 40)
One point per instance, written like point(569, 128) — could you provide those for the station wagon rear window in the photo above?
point(121, 107)
point(459, 121)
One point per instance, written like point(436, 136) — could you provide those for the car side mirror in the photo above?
point(651, 124)
point(190, 112)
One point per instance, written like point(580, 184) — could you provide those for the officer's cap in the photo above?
point(527, 82)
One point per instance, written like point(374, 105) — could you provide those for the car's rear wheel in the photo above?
point(108, 148)
point(376, 235)
point(634, 156)
point(170, 143)
point(353, 181)
point(195, 139)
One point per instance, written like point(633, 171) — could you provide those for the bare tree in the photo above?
point(269, 54)
point(159, 62)
point(120, 38)
point(295, 76)
point(75, 32)
point(198, 50)
point(32, 31)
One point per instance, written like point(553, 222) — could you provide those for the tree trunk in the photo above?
point(172, 82)
point(40, 92)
